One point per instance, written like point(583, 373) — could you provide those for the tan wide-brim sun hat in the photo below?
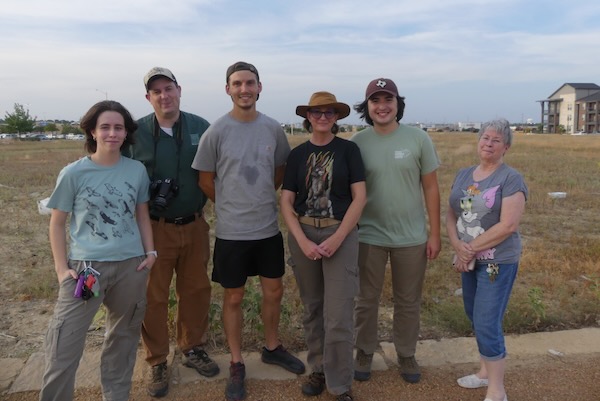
point(324, 99)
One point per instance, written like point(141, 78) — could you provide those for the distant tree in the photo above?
point(70, 129)
point(561, 129)
point(19, 121)
point(50, 127)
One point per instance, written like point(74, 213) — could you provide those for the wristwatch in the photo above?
point(152, 253)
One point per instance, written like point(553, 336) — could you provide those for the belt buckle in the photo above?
point(178, 221)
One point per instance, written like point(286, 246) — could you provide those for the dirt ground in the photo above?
point(539, 379)
point(23, 324)
point(544, 378)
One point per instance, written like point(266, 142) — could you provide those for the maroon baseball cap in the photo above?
point(381, 85)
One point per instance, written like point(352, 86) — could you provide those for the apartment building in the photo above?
point(574, 107)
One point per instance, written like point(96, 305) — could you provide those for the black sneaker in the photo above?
point(347, 396)
point(280, 356)
point(159, 382)
point(315, 384)
point(362, 366)
point(198, 359)
point(409, 369)
point(235, 389)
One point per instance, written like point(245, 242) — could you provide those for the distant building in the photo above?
point(469, 126)
point(574, 106)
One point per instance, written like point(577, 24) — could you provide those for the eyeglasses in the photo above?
point(318, 114)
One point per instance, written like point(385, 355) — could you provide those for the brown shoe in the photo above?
point(409, 369)
point(315, 384)
point(347, 396)
point(198, 359)
point(362, 366)
point(159, 382)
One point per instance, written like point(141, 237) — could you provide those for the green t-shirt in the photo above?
point(190, 199)
point(395, 212)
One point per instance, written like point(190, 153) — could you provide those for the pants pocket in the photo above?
point(138, 314)
point(53, 337)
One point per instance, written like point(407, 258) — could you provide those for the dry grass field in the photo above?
point(558, 285)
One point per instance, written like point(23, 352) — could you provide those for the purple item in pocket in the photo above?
point(79, 286)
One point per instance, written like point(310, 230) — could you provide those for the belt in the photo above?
point(318, 222)
point(180, 221)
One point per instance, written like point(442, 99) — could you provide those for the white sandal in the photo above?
point(472, 381)
point(489, 399)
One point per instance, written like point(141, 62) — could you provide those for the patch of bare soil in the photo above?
point(574, 378)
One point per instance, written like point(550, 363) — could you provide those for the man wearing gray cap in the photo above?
point(166, 142)
point(241, 160)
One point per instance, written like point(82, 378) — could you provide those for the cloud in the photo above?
point(453, 60)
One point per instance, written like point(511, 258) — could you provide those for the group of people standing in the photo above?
point(350, 207)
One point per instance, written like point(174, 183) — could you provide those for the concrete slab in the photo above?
point(27, 375)
point(30, 378)
point(9, 371)
point(255, 369)
point(564, 342)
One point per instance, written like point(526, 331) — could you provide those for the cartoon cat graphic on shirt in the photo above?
point(475, 204)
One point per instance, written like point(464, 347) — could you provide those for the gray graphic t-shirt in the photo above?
point(477, 206)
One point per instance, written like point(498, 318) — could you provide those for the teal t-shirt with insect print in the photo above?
point(477, 206)
point(102, 202)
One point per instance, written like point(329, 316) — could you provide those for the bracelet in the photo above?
point(152, 253)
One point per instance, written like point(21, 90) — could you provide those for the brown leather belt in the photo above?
point(318, 222)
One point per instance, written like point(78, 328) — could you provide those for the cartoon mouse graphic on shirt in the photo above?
point(475, 204)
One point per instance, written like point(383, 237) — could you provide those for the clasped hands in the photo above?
point(464, 257)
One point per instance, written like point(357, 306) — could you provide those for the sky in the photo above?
point(453, 61)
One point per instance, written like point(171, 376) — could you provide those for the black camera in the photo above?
point(162, 192)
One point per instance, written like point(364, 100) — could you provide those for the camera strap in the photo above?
point(178, 140)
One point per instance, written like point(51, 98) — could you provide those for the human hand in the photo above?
point(434, 245)
point(310, 249)
point(64, 274)
point(464, 252)
point(328, 247)
point(147, 263)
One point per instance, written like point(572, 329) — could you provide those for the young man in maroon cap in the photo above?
point(166, 142)
point(400, 162)
point(241, 159)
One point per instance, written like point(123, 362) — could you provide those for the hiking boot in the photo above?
point(198, 359)
point(280, 356)
point(235, 389)
point(159, 383)
point(347, 396)
point(362, 365)
point(409, 369)
point(315, 384)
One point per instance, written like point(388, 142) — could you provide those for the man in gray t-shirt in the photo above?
point(241, 160)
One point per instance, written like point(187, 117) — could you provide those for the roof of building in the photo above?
point(577, 86)
point(591, 98)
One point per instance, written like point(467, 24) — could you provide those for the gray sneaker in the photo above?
point(198, 359)
point(362, 365)
point(159, 382)
point(409, 369)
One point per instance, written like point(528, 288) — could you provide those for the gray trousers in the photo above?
point(123, 292)
point(408, 273)
point(327, 289)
